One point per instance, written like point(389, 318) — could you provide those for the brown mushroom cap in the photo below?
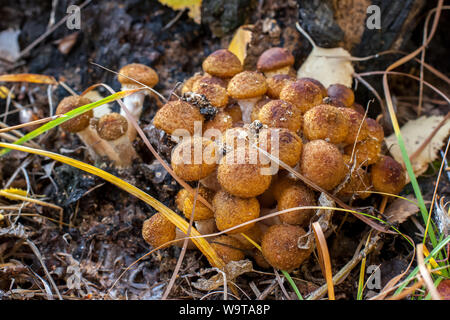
point(280, 114)
point(367, 151)
point(177, 114)
point(189, 83)
point(209, 79)
point(388, 175)
point(355, 185)
point(157, 230)
point(274, 59)
point(280, 247)
point(228, 248)
point(276, 83)
point(112, 126)
point(258, 105)
point(222, 121)
point(222, 63)
point(323, 164)
point(202, 212)
point(194, 158)
point(296, 195)
point(289, 144)
point(326, 122)
point(341, 93)
point(247, 85)
point(242, 179)
point(317, 83)
point(214, 93)
point(230, 211)
point(358, 128)
point(80, 122)
point(303, 94)
point(138, 72)
point(255, 233)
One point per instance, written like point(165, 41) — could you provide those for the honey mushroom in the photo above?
point(302, 93)
point(280, 114)
point(295, 194)
point(388, 175)
point(357, 184)
point(247, 88)
point(275, 61)
point(276, 83)
point(228, 248)
point(289, 144)
point(230, 211)
point(367, 151)
point(222, 64)
point(322, 163)
point(81, 126)
point(257, 107)
point(326, 122)
point(113, 128)
point(340, 95)
point(186, 204)
point(189, 158)
point(177, 114)
point(143, 74)
point(157, 230)
point(213, 89)
point(358, 128)
point(243, 178)
point(280, 249)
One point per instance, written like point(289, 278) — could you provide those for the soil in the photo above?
point(86, 260)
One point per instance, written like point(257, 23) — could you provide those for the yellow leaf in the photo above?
point(241, 39)
point(433, 262)
point(194, 7)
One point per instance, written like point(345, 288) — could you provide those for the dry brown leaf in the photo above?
point(414, 133)
point(232, 270)
point(400, 210)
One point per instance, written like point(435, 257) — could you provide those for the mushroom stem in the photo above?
point(134, 103)
point(96, 146)
point(247, 107)
point(113, 129)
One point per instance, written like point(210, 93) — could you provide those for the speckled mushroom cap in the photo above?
point(222, 63)
point(275, 58)
point(280, 114)
point(214, 93)
point(247, 85)
point(302, 93)
point(388, 175)
point(112, 126)
point(79, 123)
point(276, 83)
point(138, 72)
point(177, 114)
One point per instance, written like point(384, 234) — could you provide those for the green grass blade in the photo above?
point(293, 285)
point(69, 115)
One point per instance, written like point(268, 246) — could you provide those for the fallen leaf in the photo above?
point(232, 270)
point(66, 44)
point(400, 209)
point(414, 133)
point(328, 65)
point(324, 65)
point(194, 7)
point(241, 39)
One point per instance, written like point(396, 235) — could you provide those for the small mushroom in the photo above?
point(276, 61)
point(81, 126)
point(222, 64)
point(113, 128)
point(157, 230)
point(228, 248)
point(144, 75)
point(276, 83)
point(230, 211)
point(280, 114)
point(326, 122)
point(388, 175)
point(341, 94)
point(323, 164)
point(280, 247)
point(247, 88)
point(303, 94)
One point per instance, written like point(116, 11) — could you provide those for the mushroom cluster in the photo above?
point(248, 120)
point(111, 135)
